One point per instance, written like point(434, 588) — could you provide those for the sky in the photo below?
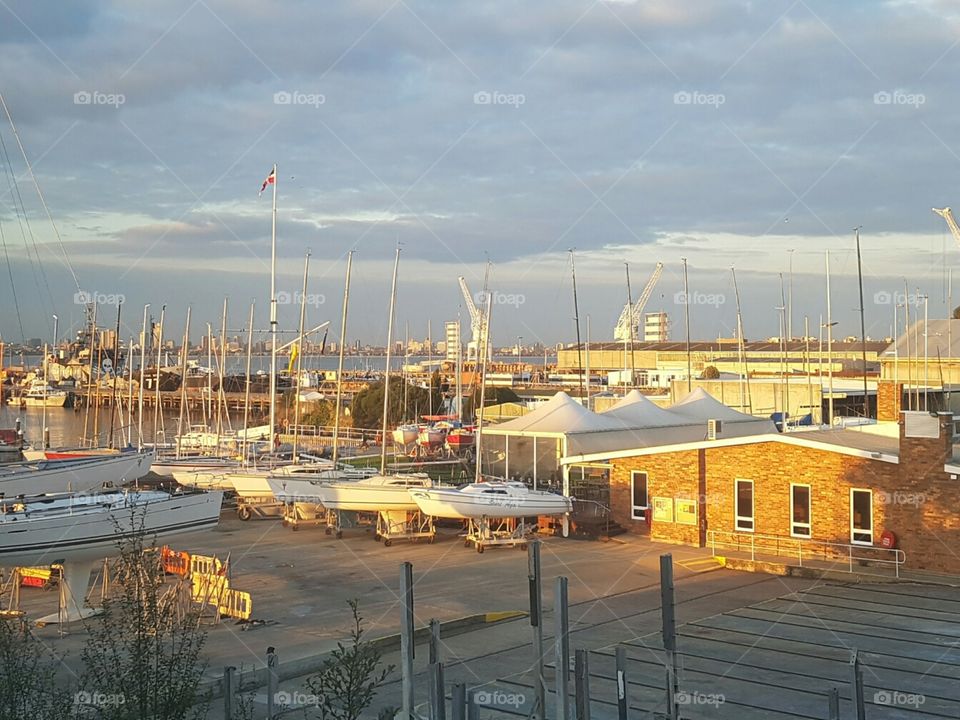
point(735, 134)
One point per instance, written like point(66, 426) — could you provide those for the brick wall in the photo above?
point(889, 397)
point(915, 499)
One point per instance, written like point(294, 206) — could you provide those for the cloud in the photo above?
point(646, 131)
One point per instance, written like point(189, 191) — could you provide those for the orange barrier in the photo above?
point(175, 563)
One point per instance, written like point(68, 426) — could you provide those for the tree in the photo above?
point(367, 407)
point(492, 396)
point(319, 412)
point(29, 687)
point(143, 657)
point(348, 680)
point(710, 372)
point(956, 313)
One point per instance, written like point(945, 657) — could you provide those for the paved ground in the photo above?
point(770, 646)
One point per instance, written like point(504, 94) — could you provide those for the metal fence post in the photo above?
point(582, 684)
point(669, 632)
point(622, 700)
point(833, 704)
point(561, 647)
point(458, 702)
point(272, 679)
point(406, 640)
point(228, 672)
point(857, 684)
point(536, 622)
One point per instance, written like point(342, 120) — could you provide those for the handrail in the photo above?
point(793, 547)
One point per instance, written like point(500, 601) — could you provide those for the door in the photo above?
point(861, 517)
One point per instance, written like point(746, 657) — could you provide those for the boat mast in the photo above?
point(157, 418)
point(143, 363)
point(829, 341)
point(740, 349)
point(273, 314)
point(246, 389)
point(43, 422)
point(459, 368)
point(576, 320)
point(93, 334)
point(478, 474)
point(114, 407)
point(183, 384)
point(386, 372)
point(221, 371)
point(296, 383)
point(863, 329)
point(343, 339)
point(630, 338)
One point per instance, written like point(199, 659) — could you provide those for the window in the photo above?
point(800, 510)
point(861, 517)
point(744, 505)
point(638, 495)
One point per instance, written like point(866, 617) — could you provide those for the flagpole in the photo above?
point(273, 315)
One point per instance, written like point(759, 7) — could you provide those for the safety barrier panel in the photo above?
point(236, 604)
point(206, 565)
point(174, 562)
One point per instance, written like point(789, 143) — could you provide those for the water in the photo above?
point(66, 425)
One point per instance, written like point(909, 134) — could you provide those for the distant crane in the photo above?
point(631, 317)
point(477, 320)
point(947, 215)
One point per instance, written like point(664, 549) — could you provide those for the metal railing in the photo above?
point(802, 549)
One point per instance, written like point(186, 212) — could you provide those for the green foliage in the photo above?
point(29, 687)
point(367, 408)
point(710, 372)
point(320, 412)
point(347, 682)
point(492, 396)
point(144, 649)
point(956, 313)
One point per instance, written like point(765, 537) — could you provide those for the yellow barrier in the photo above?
point(205, 565)
point(208, 588)
point(236, 604)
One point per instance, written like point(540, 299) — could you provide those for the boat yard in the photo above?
point(770, 646)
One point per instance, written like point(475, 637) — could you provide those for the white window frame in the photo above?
point(639, 512)
point(854, 531)
point(807, 525)
point(737, 517)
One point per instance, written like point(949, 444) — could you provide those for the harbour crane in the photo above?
point(631, 317)
point(947, 215)
point(477, 321)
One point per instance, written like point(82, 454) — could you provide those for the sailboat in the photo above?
point(76, 475)
point(77, 530)
point(490, 499)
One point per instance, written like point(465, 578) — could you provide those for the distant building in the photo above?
point(452, 344)
point(656, 327)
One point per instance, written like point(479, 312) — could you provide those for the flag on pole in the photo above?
point(271, 179)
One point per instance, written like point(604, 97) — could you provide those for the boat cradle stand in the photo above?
point(484, 532)
point(403, 525)
point(259, 507)
point(300, 513)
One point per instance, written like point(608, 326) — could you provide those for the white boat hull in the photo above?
point(256, 483)
point(91, 535)
point(50, 401)
point(73, 475)
point(453, 503)
point(370, 495)
point(169, 468)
